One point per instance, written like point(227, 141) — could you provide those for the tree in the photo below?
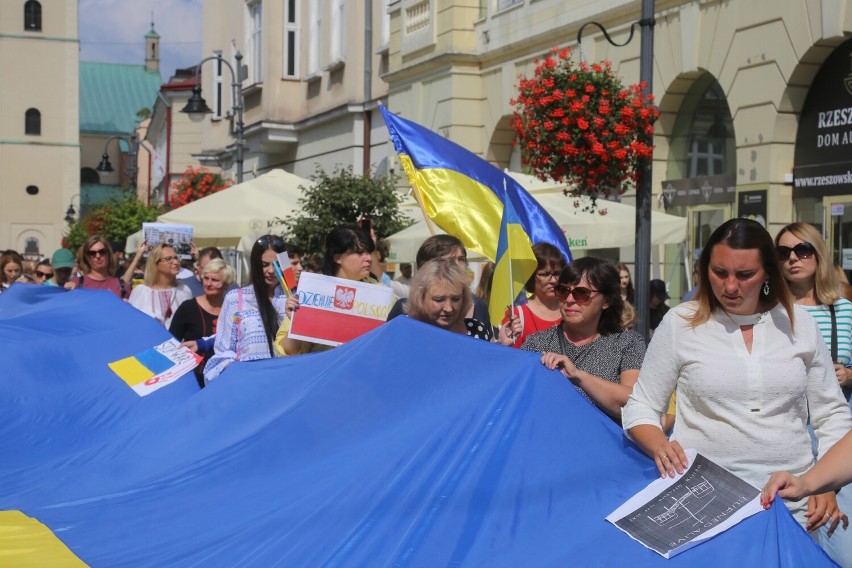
point(114, 220)
point(344, 197)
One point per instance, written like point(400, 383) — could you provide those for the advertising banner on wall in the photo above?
point(700, 190)
point(752, 204)
point(823, 160)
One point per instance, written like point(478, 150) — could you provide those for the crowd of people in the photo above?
point(777, 403)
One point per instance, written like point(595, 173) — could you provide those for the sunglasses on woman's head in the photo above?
point(802, 250)
point(276, 242)
point(581, 294)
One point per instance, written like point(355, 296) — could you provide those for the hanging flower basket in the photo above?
point(579, 125)
point(195, 184)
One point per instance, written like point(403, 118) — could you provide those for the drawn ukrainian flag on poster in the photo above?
point(463, 194)
point(155, 368)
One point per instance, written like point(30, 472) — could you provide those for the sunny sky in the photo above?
point(113, 31)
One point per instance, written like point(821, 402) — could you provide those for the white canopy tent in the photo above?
point(585, 230)
point(250, 209)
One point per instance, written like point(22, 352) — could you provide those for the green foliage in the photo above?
point(343, 197)
point(115, 220)
point(143, 113)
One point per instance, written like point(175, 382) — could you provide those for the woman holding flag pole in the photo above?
point(250, 315)
point(542, 308)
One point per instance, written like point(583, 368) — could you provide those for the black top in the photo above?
point(191, 322)
point(477, 329)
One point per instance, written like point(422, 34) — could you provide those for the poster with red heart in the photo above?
point(334, 310)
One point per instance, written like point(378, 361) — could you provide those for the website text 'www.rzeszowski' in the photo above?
point(815, 181)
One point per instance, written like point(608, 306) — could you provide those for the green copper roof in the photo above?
point(112, 93)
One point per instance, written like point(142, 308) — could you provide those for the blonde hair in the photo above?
point(825, 278)
point(628, 316)
point(437, 270)
point(219, 265)
point(154, 257)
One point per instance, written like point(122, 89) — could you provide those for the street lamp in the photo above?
point(196, 107)
point(132, 168)
point(642, 268)
point(71, 213)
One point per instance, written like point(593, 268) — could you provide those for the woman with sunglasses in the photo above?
point(348, 255)
point(811, 277)
point(161, 293)
point(97, 265)
point(43, 272)
point(250, 315)
point(542, 308)
point(748, 367)
point(588, 346)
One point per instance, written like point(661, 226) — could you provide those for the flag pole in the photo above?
point(511, 306)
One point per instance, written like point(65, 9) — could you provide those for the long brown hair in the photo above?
point(83, 259)
point(741, 234)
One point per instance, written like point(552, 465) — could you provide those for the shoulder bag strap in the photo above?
point(239, 319)
point(833, 333)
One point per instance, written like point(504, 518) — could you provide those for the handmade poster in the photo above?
point(674, 514)
point(178, 237)
point(334, 310)
point(157, 367)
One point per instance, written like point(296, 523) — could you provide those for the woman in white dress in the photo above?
point(161, 293)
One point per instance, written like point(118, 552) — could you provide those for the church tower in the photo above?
point(152, 49)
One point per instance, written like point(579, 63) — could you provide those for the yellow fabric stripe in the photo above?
point(523, 266)
point(459, 205)
point(26, 543)
point(131, 371)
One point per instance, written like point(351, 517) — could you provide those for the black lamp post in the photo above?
point(71, 213)
point(132, 168)
point(196, 107)
point(642, 269)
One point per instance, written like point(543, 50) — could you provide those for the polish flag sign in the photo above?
point(334, 310)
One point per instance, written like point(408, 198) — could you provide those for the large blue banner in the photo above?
point(409, 446)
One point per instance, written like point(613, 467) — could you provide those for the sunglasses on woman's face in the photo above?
point(581, 294)
point(100, 252)
point(41, 274)
point(276, 242)
point(803, 251)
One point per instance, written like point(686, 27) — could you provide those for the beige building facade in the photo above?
point(730, 77)
point(39, 123)
point(311, 85)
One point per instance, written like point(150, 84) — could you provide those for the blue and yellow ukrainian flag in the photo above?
point(463, 194)
point(514, 264)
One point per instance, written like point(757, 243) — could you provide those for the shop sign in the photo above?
point(700, 190)
point(823, 159)
point(752, 205)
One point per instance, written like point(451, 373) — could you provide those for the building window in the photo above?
point(338, 31)
point(712, 132)
point(217, 85)
point(254, 33)
point(33, 122)
point(291, 40)
point(32, 190)
point(315, 37)
point(31, 248)
point(503, 4)
point(32, 16)
point(385, 22)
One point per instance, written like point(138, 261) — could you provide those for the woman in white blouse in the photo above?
point(161, 293)
point(748, 368)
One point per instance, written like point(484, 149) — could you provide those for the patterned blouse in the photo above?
point(239, 333)
point(606, 357)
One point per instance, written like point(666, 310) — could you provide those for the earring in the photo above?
point(766, 288)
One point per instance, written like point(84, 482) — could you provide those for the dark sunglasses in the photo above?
point(41, 274)
point(276, 242)
point(99, 252)
point(581, 294)
point(802, 250)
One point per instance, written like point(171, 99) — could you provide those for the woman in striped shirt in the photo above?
point(813, 282)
